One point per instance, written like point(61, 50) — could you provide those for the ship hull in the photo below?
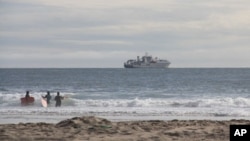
point(151, 65)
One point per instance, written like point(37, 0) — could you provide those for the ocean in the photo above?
point(128, 94)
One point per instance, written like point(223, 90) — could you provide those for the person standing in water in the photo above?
point(58, 99)
point(27, 96)
point(48, 97)
point(27, 100)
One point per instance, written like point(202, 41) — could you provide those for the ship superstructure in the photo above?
point(146, 61)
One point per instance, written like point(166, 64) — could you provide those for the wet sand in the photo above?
point(99, 129)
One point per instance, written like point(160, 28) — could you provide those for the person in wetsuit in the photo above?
point(48, 97)
point(58, 99)
point(27, 96)
point(27, 100)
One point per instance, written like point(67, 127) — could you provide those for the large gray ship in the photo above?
point(146, 61)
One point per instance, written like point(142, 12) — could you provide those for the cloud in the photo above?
point(185, 32)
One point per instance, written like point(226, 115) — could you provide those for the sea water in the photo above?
point(127, 94)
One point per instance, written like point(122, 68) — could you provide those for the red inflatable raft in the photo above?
point(27, 101)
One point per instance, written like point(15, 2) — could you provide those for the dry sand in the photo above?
point(98, 129)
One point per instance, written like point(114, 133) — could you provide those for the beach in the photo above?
point(100, 129)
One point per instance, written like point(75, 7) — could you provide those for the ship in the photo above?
point(147, 61)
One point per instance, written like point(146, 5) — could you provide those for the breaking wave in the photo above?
point(216, 107)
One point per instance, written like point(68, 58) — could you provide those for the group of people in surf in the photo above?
point(28, 99)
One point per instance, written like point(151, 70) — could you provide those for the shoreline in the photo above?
point(101, 129)
point(30, 118)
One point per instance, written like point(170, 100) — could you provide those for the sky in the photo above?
point(106, 33)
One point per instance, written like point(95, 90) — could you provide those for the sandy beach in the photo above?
point(100, 129)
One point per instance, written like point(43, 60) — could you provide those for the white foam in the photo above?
point(221, 102)
point(204, 107)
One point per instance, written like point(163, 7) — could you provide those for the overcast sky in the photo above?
point(106, 33)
